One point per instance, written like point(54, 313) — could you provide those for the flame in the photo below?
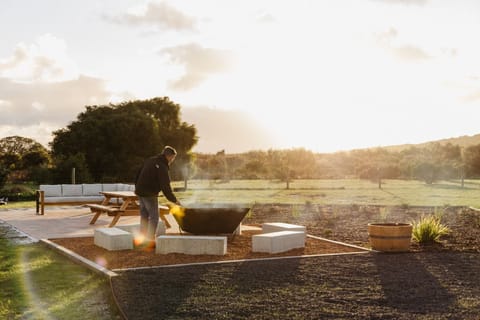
point(138, 240)
point(177, 211)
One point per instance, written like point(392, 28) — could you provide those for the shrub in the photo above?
point(429, 229)
point(18, 193)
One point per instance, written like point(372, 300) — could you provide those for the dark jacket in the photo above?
point(153, 177)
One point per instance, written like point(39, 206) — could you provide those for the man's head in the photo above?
point(169, 153)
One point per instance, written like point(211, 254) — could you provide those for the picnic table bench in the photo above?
point(126, 206)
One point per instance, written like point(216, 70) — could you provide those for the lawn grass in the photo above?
point(12, 297)
point(38, 283)
point(325, 192)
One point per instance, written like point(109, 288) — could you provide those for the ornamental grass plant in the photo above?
point(429, 229)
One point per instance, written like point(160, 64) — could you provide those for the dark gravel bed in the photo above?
point(436, 281)
point(437, 285)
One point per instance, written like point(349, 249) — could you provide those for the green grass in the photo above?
point(12, 298)
point(38, 283)
point(18, 204)
point(346, 191)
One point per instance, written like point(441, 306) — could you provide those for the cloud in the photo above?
point(44, 60)
point(472, 97)
point(199, 63)
point(234, 131)
point(160, 15)
point(410, 53)
point(266, 18)
point(41, 89)
point(406, 52)
point(404, 2)
point(40, 82)
point(25, 104)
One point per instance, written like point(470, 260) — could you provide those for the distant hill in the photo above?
point(463, 141)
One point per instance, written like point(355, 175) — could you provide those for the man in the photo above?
point(152, 178)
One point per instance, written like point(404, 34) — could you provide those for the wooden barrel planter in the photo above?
point(390, 237)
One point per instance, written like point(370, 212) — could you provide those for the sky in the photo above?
point(324, 75)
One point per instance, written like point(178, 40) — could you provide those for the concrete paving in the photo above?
point(63, 222)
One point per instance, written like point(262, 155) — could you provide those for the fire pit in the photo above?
point(203, 219)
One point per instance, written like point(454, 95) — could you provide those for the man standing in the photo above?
point(152, 178)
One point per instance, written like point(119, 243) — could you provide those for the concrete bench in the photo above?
point(113, 239)
point(134, 228)
point(276, 242)
point(280, 226)
point(191, 245)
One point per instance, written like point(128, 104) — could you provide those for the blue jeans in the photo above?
point(148, 216)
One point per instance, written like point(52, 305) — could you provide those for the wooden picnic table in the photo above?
point(128, 206)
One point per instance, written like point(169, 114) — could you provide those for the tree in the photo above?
point(426, 171)
point(3, 175)
point(21, 156)
point(115, 139)
point(62, 173)
point(472, 161)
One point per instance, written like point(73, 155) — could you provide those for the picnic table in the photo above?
point(121, 203)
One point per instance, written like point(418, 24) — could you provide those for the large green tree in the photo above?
point(115, 139)
point(20, 156)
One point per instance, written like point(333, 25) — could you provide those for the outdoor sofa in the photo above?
point(75, 194)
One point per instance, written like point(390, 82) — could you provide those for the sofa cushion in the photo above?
point(72, 190)
point(75, 199)
point(110, 187)
point(125, 187)
point(92, 189)
point(51, 190)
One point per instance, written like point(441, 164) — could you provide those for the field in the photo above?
point(329, 192)
point(323, 192)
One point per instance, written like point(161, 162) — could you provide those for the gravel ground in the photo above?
point(437, 281)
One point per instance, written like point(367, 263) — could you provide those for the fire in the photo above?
point(138, 240)
point(177, 211)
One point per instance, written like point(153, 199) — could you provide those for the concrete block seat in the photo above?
point(75, 194)
point(134, 228)
point(194, 245)
point(113, 239)
point(279, 241)
point(280, 226)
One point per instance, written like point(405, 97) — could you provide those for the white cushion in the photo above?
point(89, 198)
point(92, 189)
point(125, 187)
point(109, 187)
point(51, 190)
point(72, 190)
point(73, 199)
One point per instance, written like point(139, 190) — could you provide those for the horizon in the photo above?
point(324, 76)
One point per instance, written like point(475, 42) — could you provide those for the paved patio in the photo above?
point(63, 222)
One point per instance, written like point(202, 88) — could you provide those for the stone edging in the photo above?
point(112, 273)
point(79, 259)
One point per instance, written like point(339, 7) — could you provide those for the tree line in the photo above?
point(108, 143)
point(429, 163)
